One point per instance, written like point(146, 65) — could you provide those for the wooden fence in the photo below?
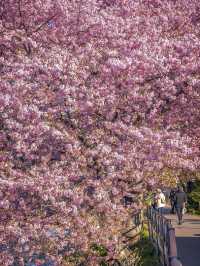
point(162, 235)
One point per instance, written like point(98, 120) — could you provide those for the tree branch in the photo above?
point(42, 25)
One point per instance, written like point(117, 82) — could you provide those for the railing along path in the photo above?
point(162, 235)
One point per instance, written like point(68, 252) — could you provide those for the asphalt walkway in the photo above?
point(188, 239)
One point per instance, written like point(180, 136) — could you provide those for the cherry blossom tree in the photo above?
point(97, 97)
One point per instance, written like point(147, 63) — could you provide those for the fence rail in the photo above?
point(162, 235)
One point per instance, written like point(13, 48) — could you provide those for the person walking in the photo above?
point(160, 201)
point(180, 202)
point(172, 200)
point(154, 201)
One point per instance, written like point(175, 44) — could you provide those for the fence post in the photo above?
point(149, 224)
point(173, 249)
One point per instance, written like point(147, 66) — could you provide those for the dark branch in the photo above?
point(42, 25)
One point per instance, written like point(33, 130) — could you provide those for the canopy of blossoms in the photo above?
point(96, 98)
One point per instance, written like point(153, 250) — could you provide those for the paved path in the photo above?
point(188, 239)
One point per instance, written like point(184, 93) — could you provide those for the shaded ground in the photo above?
point(188, 239)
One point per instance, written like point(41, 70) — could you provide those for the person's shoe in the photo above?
point(179, 222)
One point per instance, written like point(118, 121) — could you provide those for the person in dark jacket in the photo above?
point(172, 200)
point(180, 201)
point(154, 203)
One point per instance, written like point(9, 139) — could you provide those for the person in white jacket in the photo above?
point(160, 200)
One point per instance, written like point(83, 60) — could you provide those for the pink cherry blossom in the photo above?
point(97, 98)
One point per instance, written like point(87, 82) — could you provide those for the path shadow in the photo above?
point(194, 223)
point(192, 220)
point(188, 250)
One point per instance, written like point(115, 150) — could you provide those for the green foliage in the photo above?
point(194, 199)
point(144, 233)
point(145, 252)
point(193, 211)
point(76, 257)
point(148, 199)
point(103, 263)
point(99, 250)
point(195, 194)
